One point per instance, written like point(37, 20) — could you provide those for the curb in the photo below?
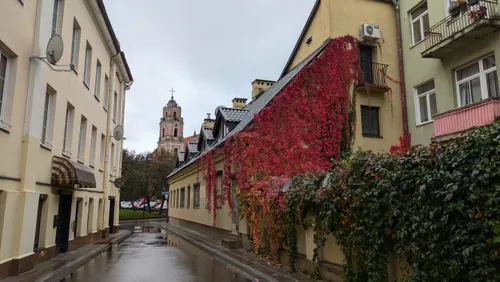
point(243, 269)
point(71, 267)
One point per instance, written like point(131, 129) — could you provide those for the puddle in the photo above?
point(146, 229)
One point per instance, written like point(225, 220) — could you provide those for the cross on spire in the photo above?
point(172, 91)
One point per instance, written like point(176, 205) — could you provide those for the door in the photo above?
point(111, 214)
point(366, 61)
point(63, 223)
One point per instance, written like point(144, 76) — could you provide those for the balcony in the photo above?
point(373, 76)
point(458, 32)
point(461, 119)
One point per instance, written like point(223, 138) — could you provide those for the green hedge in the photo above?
point(438, 207)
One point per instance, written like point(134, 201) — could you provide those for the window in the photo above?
point(78, 212)
point(196, 198)
point(477, 81)
point(97, 87)
point(88, 61)
point(163, 132)
point(448, 4)
point(175, 115)
point(3, 82)
point(75, 44)
point(115, 100)
point(219, 188)
point(45, 121)
point(41, 201)
point(83, 137)
point(112, 160)
point(188, 196)
point(103, 144)
point(425, 103)
point(56, 17)
point(176, 151)
point(370, 121)
point(68, 129)
point(183, 192)
point(90, 216)
point(93, 144)
point(419, 23)
point(175, 132)
point(106, 85)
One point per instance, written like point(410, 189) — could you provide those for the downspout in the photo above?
point(108, 138)
point(407, 141)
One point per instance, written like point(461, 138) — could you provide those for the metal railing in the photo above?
point(451, 25)
point(373, 73)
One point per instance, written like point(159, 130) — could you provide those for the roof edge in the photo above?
point(301, 36)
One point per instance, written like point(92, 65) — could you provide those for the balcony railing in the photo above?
point(461, 119)
point(373, 73)
point(483, 14)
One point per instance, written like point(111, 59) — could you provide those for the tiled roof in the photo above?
point(257, 105)
point(208, 133)
point(233, 115)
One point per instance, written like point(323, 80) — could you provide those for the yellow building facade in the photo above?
point(58, 156)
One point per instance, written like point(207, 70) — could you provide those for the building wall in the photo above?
point(419, 70)
point(24, 31)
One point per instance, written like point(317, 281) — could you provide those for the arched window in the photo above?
point(176, 151)
point(175, 115)
point(175, 132)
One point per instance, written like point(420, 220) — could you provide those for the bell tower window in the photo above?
point(175, 132)
point(175, 115)
point(163, 132)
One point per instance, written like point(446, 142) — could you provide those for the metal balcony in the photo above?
point(458, 32)
point(461, 119)
point(373, 74)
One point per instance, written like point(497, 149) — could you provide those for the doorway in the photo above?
point(63, 223)
point(111, 214)
point(366, 62)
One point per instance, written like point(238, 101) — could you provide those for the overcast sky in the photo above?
point(209, 51)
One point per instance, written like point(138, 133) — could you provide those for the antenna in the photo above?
point(53, 54)
point(118, 133)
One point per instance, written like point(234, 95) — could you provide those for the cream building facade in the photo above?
point(450, 67)
point(58, 157)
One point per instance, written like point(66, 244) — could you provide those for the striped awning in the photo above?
point(71, 174)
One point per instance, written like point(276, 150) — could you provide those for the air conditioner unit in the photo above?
point(370, 32)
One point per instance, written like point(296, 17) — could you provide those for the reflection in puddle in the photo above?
point(146, 229)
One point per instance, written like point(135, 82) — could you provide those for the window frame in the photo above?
point(102, 153)
point(377, 110)
point(417, 97)
point(97, 83)
point(482, 79)
point(196, 194)
point(218, 188)
point(420, 19)
point(75, 44)
point(3, 90)
point(93, 144)
point(82, 139)
point(106, 86)
point(87, 65)
point(182, 202)
point(56, 21)
point(68, 129)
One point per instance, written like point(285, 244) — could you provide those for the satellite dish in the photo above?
point(55, 49)
point(119, 182)
point(118, 132)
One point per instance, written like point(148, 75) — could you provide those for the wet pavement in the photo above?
point(151, 254)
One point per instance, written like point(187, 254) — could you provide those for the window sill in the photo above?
point(418, 43)
point(425, 123)
point(85, 83)
point(66, 154)
point(197, 208)
point(104, 108)
point(92, 165)
point(5, 127)
point(373, 136)
point(82, 161)
point(97, 98)
point(114, 121)
point(74, 70)
point(46, 146)
point(101, 170)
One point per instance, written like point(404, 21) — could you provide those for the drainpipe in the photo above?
point(407, 142)
point(108, 138)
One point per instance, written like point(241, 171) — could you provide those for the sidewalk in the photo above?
point(247, 263)
point(63, 265)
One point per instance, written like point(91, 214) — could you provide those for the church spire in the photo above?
point(172, 101)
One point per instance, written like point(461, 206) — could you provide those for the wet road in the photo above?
point(150, 255)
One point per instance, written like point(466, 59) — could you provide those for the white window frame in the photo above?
point(97, 86)
point(420, 19)
point(82, 139)
point(103, 145)
point(417, 97)
point(45, 118)
point(93, 143)
point(3, 94)
point(68, 130)
point(88, 63)
point(75, 43)
point(115, 101)
point(56, 18)
point(482, 79)
point(106, 86)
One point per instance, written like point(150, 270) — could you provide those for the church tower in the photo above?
point(172, 127)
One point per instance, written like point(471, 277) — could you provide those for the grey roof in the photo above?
point(233, 115)
point(257, 105)
point(193, 147)
point(208, 133)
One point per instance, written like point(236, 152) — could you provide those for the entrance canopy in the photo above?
point(67, 173)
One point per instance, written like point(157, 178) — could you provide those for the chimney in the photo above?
point(239, 103)
point(260, 86)
point(208, 122)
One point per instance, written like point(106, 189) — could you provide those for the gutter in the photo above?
point(402, 75)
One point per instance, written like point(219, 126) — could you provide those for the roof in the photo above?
point(208, 133)
point(193, 138)
point(301, 36)
point(193, 147)
point(233, 115)
point(257, 105)
point(102, 9)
